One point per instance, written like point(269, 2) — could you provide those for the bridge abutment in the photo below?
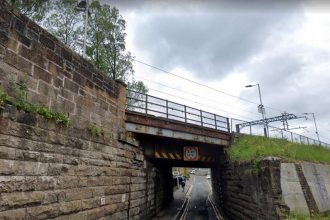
point(80, 170)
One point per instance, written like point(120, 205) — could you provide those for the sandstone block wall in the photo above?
point(249, 191)
point(52, 171)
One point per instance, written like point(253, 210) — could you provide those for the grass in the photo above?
point(251, 148)
point(324, 216)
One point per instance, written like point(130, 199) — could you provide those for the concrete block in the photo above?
point(318, 178)
point(291, 189)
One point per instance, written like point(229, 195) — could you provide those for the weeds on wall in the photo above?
point(256, 166)
point(94, 130)
point(3, 96)
point(19, 100)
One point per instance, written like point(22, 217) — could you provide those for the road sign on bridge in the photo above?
point(190, 153)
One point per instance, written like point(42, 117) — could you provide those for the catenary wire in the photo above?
point(189, 93)
point(193, 101)
point(200, 84)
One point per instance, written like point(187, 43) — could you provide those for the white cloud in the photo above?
point(226, 46)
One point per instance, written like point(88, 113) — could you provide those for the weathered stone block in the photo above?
point(3, 38)
point(18, 62)
point(20, 199)
point(79, 193)
point(37, 98)
point(10, 184)
point(66, 54)
point(42, 212)
point(24, 40)
point(42, 74)
point(70, 207)
point(90, 203)
point(34, 55)
point(46, 41)
point(75, 216)
point(70, 85)
point(17, 214)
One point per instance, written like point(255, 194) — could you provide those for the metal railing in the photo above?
point(276, 132)
point(151, 105)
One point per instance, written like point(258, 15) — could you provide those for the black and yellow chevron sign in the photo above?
point(163, 152)
point(166, 155)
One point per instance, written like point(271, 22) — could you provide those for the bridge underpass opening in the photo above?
point(167, 143)
point(164, 154)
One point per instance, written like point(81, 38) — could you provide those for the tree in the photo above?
point(136, 95)
point(35, 9)
point(64, 21)
point(108, 51)
point(106, 34)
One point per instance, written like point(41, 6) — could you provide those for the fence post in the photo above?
point(146, 104)
point(215, 122)
point(300, 139)
point(250, 130)
point(185, 113)
point(291, 136)
point(282, 133)
point(167, 109)
point(228, 125)
point(237, 128)
point(201, 117)
point(307, 140)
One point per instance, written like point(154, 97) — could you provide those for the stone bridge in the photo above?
point(113, 160)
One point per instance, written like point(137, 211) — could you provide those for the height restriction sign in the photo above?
point(190, 153)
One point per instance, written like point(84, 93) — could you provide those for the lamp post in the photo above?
point(261, 108)
point(83, 6)
point(316, 131)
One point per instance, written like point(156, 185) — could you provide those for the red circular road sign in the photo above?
point(190, 153)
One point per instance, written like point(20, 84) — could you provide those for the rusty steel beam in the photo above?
point(168, 124)
point(168, 133)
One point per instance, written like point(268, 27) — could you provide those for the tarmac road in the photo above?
point(199, 207)
point(192, 204)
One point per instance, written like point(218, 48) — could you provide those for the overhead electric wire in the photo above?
point(200, 84)
point(196, 95)
point(206, 86)
point(200, 103)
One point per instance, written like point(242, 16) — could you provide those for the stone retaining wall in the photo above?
point(270, 189)
point(52, 171)
point(249, 190)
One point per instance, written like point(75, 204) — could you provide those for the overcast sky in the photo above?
point(285, 47)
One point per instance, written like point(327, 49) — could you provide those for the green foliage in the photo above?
point(141, 89)
point(186, 174)
point(94, 130)
point(35, 9)
point(65, 22)
point(322, 216)
point(105, 33)
point(19, 99)
point(256, 166)
point(251, 148)
point(3, 96)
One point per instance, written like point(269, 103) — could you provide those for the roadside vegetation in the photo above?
point(324, 216)
point(254, 148)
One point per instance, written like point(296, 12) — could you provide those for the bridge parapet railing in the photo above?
point(151, 105)
point(276, 132)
